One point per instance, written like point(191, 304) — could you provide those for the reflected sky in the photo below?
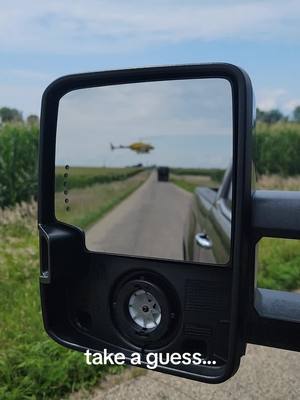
point(189, 123)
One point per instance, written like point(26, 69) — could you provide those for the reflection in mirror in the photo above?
point(139, 167)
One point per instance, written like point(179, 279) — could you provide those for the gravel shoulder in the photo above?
point(265, 373)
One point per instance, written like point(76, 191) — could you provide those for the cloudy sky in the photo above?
point(188, 122)
point(41, 40)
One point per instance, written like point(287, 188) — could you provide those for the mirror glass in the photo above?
point(139, 167)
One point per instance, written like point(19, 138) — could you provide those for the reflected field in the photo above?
point(81, 203)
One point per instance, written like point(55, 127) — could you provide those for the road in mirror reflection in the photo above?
point(147, 223)
point(130, 158)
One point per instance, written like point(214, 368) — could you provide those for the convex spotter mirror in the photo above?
point(143, 212)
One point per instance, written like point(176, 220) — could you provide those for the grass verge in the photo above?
point(80, 177)
point(87, 205)
point(183, 184)
point(279, 259)
point(279, 264)
point(32, 366)
point(190, 182)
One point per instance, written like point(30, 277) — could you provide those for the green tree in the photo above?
point(32, 119)
point(260, 115)
point(270, 117)
point(296, 114)
point(10, 115)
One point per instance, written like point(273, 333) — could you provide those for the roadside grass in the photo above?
point(279, 264)
point(190, 182)
point(92, 171)
point(184, 184)
point(215, 174)
point(32, 366)
point(279, 259)
point(80, 177)
point(276, 182)
point(88, 204)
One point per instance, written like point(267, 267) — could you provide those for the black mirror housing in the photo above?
point(82, 291)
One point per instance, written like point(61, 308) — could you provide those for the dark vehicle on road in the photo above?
point(208, 228)
point(163, 174)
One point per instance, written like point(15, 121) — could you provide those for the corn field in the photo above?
point(18, 163)
point(276, 152)
point(277, 149)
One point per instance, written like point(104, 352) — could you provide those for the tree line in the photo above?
point(13, 115)
point(275, 115)
point(277, 148)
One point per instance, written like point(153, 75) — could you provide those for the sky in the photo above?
point(42, 40)
point(188, 122)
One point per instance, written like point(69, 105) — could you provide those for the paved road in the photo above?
point(149, 223)
point(265, 373)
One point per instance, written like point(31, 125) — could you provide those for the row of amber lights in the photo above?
point(67, 201)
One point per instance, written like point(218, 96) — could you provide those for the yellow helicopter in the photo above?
point(138, 147)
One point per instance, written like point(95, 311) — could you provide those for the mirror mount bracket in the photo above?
point(273, 316)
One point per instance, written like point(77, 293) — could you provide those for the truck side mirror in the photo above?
point(146, 277)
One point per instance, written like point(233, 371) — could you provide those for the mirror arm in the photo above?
point(273, 316)
point(272, 319)
point(276, 214)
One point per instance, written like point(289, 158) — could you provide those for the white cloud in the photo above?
point(94, 26)
point(291, 105)
point(91, 27)
point(269, 99)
